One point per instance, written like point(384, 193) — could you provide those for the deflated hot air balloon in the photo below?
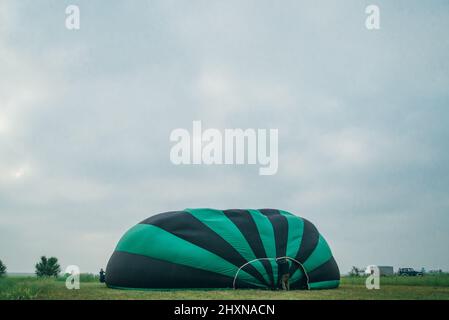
point(207, 248)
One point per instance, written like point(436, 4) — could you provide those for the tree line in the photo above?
point(45, 267)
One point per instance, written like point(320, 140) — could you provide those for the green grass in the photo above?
point(25, 288)
point(436, 280)
point(428, 287)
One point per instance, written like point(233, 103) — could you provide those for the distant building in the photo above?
point(383, 270)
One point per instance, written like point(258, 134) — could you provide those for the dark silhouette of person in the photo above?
point(102, 276)
point(284, 273)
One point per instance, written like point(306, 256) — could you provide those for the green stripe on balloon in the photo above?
point(295, 232)
point(320, 255)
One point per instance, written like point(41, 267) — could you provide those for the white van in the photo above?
point(383, 270)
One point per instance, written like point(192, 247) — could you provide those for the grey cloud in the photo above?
point(361, 118)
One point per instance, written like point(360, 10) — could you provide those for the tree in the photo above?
point(355, 272)
point(48, 267)
point(2, 269)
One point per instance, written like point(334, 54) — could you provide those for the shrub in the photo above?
point(2, 269)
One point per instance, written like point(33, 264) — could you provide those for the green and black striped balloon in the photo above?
point(207, 248)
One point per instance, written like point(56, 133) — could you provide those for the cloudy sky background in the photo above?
point(85, 118)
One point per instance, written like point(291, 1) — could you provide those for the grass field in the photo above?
point(428, 287)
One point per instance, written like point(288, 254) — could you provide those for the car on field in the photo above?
point(409, 272)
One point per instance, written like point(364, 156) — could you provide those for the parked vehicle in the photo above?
point(409, 272)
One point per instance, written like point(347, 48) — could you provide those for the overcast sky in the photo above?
point(363, 119)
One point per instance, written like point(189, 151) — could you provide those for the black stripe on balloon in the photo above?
point(280, 228)
point(309, 242)
point(185, 226)
point(244, 221)
point(128, 270)
point(326, 272)
point(301, 284)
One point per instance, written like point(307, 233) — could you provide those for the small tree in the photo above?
point(355, 272)
point(2, 269)
point(48, 267)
